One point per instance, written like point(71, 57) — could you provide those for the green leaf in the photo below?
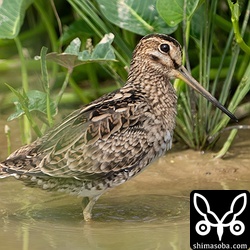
point(75, 30)
point(140, 17)
point(74, 47)
point(34, 101)
point(172, 10)
point(12, 13)
point(197, 23)
point(73, 57)
point(102, 51)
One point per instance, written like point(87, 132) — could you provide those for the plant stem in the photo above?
point(65, 83)
point(244, 86)
point(26, 131)
point(227, 144)
point(235, 13)
point(45, 80)
point(48, 23)
point(78, 91)
point(50, 30)
point(240, 93)
point(25, 84)
point(7, 133)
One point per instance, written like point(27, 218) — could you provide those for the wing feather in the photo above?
point(105, 136)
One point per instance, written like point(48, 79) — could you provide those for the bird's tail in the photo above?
point(3, 172)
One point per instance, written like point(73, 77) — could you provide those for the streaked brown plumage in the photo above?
point(113, 138)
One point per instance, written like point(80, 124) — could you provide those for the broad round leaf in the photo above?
point(140, 17)
point(172, 10)
point(12, 13)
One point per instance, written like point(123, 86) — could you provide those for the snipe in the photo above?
point(112, 139)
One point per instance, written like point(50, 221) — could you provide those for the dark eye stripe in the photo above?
point(176, 65)
point(155, 58)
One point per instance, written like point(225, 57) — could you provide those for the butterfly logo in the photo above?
point(203, 227)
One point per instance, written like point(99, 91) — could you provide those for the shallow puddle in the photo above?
point(33, 219)
point(149, 212)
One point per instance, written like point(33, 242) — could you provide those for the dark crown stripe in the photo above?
point(164, 37)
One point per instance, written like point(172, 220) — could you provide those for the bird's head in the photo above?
point(162, 54)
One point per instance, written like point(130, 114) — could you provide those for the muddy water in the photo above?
point(149, 212)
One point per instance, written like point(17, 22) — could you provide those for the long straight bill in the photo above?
point(183, 74)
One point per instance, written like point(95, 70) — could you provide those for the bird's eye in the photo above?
point(165, 47)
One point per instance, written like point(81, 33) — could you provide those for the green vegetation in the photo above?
point(214, 33)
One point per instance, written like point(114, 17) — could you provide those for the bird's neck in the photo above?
point(153, 86)
point(157, 90)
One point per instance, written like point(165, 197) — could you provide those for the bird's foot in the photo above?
point(87, 206)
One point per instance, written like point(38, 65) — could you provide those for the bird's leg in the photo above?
point(87, 205)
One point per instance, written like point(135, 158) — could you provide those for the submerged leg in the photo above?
point(87, 205)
